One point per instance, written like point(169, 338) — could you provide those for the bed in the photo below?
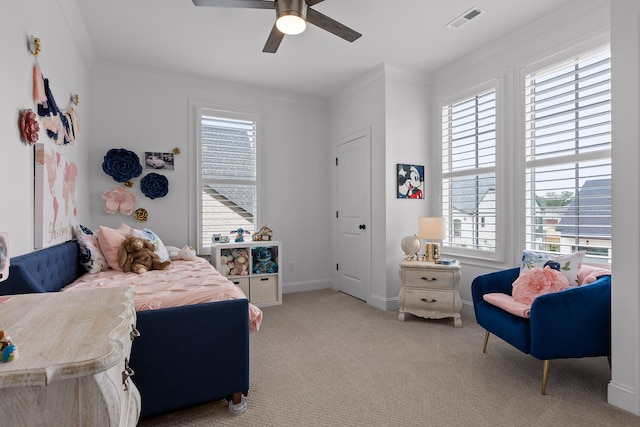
point(193, 346)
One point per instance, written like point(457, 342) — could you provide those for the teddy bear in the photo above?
point(137, 254)
point(240, 263)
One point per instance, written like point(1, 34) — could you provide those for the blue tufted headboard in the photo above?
point(44, 270)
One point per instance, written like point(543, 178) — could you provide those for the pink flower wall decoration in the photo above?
point(118, 199)
point(29, 127)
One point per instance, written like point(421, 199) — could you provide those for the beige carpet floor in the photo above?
point(323, 358)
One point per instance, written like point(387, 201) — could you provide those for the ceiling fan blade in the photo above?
point(254, 4)
point(273, 42)
point(312, 2)
point(319, 20)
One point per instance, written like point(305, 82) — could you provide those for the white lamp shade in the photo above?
point(431, 228)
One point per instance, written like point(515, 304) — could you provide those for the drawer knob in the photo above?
point(134, 333)
point(128, 372)
point(427, 300)
point(429, 279)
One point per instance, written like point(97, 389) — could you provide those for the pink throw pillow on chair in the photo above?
point(538, 281)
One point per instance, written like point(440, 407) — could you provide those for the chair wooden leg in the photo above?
point(486, 339)
point(545, 374)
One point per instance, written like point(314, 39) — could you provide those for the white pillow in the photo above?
point(160, 248)
point(567, 264)
point(91, 257)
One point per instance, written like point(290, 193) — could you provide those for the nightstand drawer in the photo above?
point(428, 300)
point(432, 279)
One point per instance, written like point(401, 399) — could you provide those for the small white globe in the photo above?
point(410, 245)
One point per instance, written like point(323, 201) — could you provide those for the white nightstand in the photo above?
point(430, 290)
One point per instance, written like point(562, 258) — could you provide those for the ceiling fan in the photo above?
point(291, 18)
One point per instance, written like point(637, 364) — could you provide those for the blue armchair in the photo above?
point(572, 323)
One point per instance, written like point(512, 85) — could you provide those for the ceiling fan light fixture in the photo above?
point(291, 24)
point(291, 16)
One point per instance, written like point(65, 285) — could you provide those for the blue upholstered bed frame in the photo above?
point(184, 356)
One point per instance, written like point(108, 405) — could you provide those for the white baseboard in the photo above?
point(623, 397)
point(315, 285)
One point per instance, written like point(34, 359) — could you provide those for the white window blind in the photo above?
point(568, 156)
point(468, 172)
point(228, 169)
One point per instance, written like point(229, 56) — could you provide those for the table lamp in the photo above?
point(431, 229)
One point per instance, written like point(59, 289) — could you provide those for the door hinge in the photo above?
point(336, 214)
point(337, 267)
point(336, 161)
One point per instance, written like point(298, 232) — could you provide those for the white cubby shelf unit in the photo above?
point(263, 282)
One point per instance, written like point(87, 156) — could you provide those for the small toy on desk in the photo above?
point(240, 232)
point(9, 350)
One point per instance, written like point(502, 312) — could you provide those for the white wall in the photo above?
point(624, 389)
point(67, 68)
point(393, 104)
point(406, 141)
point(577, 23)
point(144, 110)
point(360, 106)
point(580, 23)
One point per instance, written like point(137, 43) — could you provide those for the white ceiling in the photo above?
point(226, 43)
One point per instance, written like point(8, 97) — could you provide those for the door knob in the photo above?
point(362, 227)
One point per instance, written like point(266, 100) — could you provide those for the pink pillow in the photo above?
point(589, 274)
point(538, 281)
point(110, 240)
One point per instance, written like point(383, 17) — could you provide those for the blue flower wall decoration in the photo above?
point(121, 164)
point(154, 185)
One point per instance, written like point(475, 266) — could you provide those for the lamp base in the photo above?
point(431, 252)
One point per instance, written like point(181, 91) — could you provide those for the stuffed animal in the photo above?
point(240, 263)
point(224, 265)
point(137, 255)
point(263, 262)
point(240, 232)
point(187, 252)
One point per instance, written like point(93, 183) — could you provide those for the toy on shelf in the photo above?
point(240, 263)
point(263, 262)
point(264, 234)
point(240, 232)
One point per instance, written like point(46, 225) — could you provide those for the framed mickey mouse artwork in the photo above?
point(410, 181)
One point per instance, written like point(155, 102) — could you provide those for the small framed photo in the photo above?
point(158, 160)
point(410, 181)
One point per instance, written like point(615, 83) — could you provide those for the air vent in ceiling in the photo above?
point(464, 18)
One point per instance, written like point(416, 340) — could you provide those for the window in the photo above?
point(568, 156)
point(228, 174)
point(468, 172)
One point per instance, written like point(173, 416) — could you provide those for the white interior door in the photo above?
point(353, 214)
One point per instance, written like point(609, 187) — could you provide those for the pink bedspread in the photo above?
point(185, 283)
